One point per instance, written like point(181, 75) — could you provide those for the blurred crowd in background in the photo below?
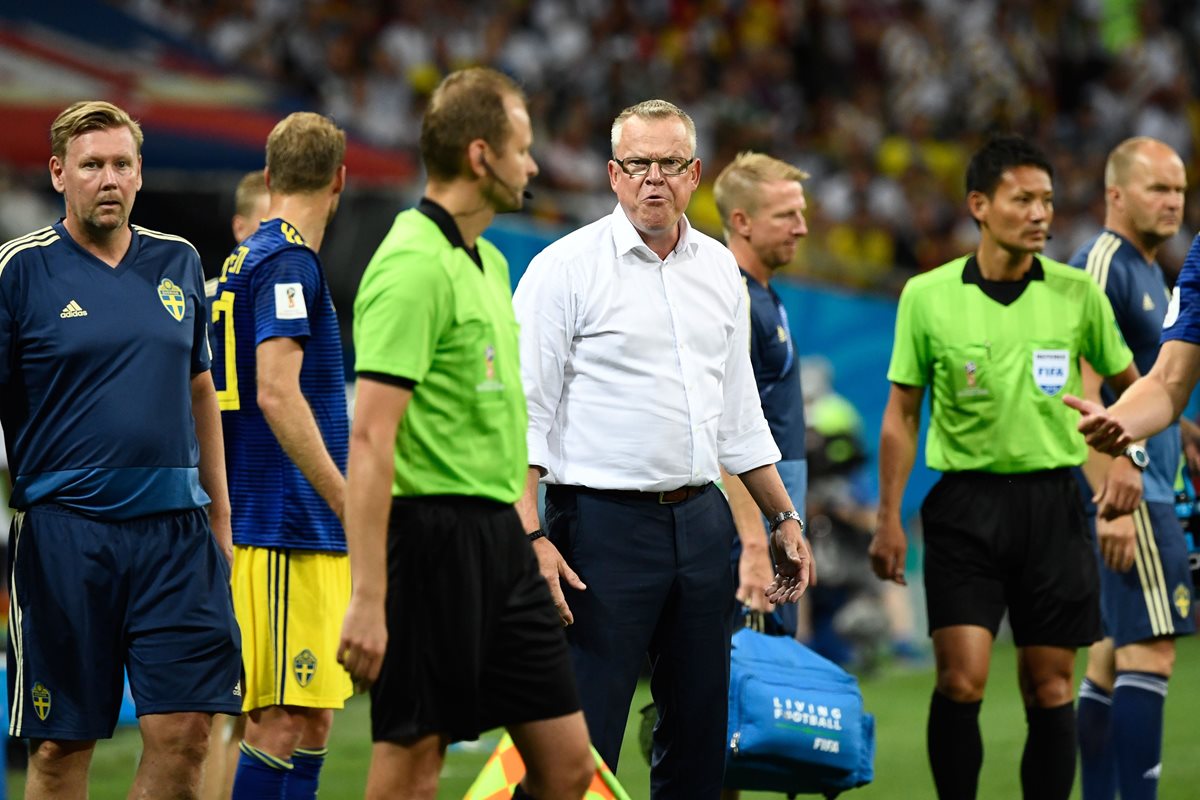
point(880, 100)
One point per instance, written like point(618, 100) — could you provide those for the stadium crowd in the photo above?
point(880, 100)
point(883, 101)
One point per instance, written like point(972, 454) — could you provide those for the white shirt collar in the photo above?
point(627, 239)
point(637, 369)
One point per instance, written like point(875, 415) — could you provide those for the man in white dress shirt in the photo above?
point(636, 364)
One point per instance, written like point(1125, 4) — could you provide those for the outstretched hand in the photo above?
point(1101, 430)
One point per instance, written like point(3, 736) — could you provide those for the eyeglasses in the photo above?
point(672, 165)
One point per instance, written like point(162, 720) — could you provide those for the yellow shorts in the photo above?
point(290, 605)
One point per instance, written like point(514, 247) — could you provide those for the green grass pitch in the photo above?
point(899, 700)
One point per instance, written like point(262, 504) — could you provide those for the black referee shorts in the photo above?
point(1017, 542)
point(474, 641)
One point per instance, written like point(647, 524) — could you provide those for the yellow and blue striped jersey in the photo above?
point(272, 285)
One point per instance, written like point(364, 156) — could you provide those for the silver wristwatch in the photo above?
point(779, 518)
point(1137, 454)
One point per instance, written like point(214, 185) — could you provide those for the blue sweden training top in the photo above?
point(776, 369)
point(96, 365)
point(1138, 294)
point(272, 285)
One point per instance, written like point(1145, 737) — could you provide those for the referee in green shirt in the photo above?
point(449, 618)
point(997, 336)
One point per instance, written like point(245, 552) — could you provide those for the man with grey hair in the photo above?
point(636, 365)
point(761, 203)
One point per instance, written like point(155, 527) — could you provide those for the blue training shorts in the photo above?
point(92, 598)
point(1153, 598)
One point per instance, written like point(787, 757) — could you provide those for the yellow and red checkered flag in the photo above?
point(504, 770)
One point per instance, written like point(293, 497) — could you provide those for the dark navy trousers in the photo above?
point(659, 584)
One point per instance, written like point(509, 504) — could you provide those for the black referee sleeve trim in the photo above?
point(390, 380)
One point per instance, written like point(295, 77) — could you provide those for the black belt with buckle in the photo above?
point(662, 498)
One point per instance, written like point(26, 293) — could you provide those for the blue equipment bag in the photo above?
point(796, 720)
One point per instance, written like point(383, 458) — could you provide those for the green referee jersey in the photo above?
point(999, 358)
point(430, 317)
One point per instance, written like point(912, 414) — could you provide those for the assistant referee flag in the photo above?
point(504, 770)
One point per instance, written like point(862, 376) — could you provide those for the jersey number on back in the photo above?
point(233, 263)
point(227, 396)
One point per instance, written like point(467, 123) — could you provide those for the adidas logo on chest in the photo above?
point(72, 309)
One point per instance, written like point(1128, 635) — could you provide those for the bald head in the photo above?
point(1144, 186)
point(1139, 149)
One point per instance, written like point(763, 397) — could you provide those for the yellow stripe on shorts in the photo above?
point(1150, 574)
point(290, 605)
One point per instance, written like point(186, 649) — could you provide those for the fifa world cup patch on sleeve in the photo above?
point(289, 301)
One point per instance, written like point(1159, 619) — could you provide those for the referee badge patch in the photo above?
point(1050, 370)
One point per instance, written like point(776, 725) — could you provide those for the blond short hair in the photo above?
point(252, 186)
point(739, 184)
point(304, 152)
point(87, 116)
point(654, 109)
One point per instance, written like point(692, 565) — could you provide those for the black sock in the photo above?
point(955, 747)
point(1048, 764)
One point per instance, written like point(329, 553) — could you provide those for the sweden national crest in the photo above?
point(41, 700)
point(1183, 600)
point(171, 296)
point(304, 667)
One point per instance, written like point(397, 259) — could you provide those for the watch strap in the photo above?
point(783, 516)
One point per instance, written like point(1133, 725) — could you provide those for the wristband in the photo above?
point(782, 516)
point(535, 535)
